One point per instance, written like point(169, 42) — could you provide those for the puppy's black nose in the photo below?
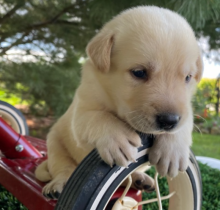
point(167, 121)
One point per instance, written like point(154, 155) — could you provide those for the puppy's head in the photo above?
point(148, 63)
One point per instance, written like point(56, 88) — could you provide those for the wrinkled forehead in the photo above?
point(154, 46)
point(144, 40)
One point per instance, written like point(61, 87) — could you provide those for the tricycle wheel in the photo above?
point(93, 183)
point(14, 118)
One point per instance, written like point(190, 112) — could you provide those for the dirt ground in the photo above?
point(39, 126)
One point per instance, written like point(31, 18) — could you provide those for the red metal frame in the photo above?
point(18, 178)
point(17, 169)
point(10, 140)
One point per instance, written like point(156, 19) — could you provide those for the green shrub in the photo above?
point(211, 187)
point(9, 202)
point(49, 89)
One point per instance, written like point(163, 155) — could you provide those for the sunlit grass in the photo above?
point(206, 145)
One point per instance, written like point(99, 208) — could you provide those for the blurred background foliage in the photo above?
point(205, 97)
point(42, 42)
point(205, 104)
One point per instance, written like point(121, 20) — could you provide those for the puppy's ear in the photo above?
point(199, 64)
point(99, 50)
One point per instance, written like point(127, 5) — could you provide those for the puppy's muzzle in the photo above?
point(167, 121)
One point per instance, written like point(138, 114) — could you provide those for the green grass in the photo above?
point(206, 145)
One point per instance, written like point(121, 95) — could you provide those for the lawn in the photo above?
point(206, 145)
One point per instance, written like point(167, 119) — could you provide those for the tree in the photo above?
point(42, 41)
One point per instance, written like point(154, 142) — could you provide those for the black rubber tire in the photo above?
point(88, 180)
point(16, 117)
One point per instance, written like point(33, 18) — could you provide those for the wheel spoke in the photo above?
point(158, 199)
point(158, 191)
point(127, 188)
point(155, 199)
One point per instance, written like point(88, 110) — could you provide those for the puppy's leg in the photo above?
point(42, 172)
point(115, 141)
point(60, 166)
point(170, 152)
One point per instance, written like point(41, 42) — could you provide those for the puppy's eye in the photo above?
point(139, 73)
point(188, 78)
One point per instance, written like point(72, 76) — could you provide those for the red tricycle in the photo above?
point(94, 185)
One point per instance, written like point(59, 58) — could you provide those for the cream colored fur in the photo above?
point(110, 104)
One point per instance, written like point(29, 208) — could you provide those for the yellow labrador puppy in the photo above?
point(142, 69)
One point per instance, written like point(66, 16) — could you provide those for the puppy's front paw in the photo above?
point(53, 189)
point(169, 155)
point(119, 147)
